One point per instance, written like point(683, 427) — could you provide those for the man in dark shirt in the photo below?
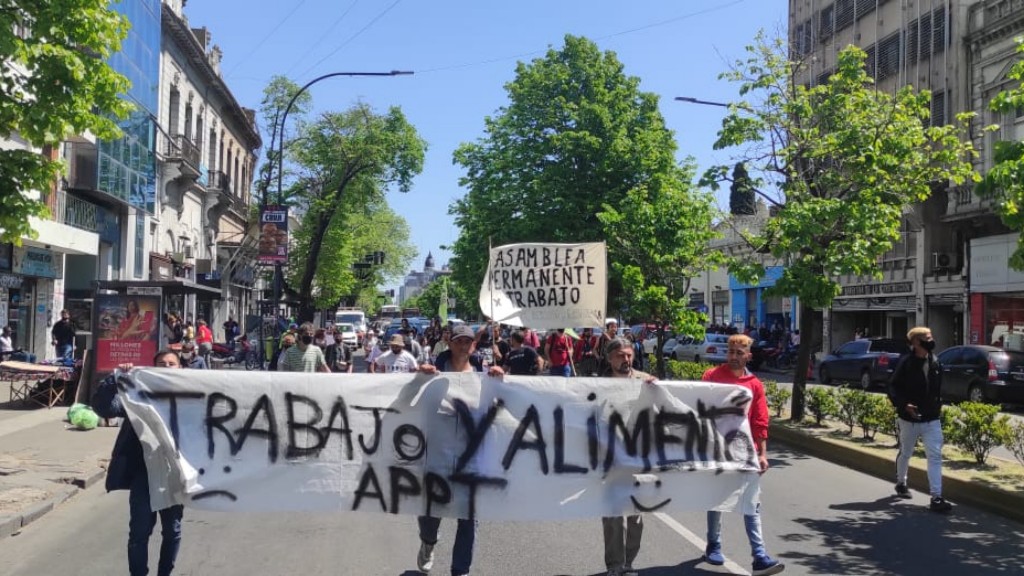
point(915, 390)
point(522, 360)
point(63, 334)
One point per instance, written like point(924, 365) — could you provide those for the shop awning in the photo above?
point(167, 287)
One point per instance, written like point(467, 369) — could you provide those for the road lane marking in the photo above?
point(699, 544)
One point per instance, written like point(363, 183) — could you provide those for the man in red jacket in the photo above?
point(734, 371)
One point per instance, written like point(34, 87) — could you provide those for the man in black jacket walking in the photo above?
point(915, 389)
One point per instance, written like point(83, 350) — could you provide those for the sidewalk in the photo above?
point(44, 461)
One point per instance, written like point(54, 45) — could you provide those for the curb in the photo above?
point(11, 525)
point(1000, 502)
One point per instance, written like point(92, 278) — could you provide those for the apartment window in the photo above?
point(939, 107)
point(864, 7)
point(173, 104)
point(826, 22)
point(140, 243)
point(188, 122)
point(844, 14)
point(888, 57)
point(940, 30)
point(870, 64)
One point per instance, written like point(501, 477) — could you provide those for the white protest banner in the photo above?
point(546, 285)
point(451, 445)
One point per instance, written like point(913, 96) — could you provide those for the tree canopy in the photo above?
point(1004, 182)
point(841, 162)
point(658, 240)
point(54, 83)
point(576, 134)
point(345, 162)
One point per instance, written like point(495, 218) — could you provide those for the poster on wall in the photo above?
point(273, 241)
point(127, 330)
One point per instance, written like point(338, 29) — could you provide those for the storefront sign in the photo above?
point(696, 299)
point(875, 289)
point(273, 241)
point(145, 291)
point(30, 261)
point(127, 330)
point(990, 268)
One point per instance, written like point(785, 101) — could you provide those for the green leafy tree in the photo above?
point(276, 95)
point(658, 240)
point(1004, 182)
point(840, 162)
point(577, 134)
point(345, 161)
point(54, 82)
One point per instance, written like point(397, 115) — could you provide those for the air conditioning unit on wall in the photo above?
point(942, 261)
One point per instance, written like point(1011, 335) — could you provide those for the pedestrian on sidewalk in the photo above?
point(63, 334)
point(915, 390)
point(735, 371)
point(621, 534)
point(190, 359)
point(127, 471)
point(457, 358)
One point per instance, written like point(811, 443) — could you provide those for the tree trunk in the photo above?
point(803, 360)
point(307, 310)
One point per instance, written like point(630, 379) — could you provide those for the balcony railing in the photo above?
point(178, 146)
point(75, 212)
point(218, 180)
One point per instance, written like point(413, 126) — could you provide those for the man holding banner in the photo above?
point(456, 359)
point(622, 534)
point(128, 471)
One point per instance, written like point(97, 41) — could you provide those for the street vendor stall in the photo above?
point(42, 384)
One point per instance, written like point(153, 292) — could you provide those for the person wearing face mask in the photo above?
point(304, 356)
point(189, 358)
point(915, 390)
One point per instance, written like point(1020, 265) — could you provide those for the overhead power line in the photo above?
point(352, 37)
point(265, 38)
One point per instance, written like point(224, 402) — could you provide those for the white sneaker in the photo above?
point(425, 557)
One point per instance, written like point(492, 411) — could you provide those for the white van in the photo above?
point(353, 316)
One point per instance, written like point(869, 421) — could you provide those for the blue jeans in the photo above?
point(561, 371)
point(64, 351)
point(752, 523)
point(141, 521)
point(22, 356)
point(465, 537)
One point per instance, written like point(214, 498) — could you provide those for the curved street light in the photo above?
point(278, 277)
point(692, 100)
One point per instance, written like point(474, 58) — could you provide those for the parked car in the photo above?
point(650, 342)
point(346, 332)
point(670, 346)
point(706, 348)
point(865, 362)
point(982, 374)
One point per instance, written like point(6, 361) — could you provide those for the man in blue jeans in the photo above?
point(734, 371)
point(63, 334)
point(456, 358)
point(127, 471)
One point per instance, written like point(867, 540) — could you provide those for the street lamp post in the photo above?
point(692, 100)
point(278, 278)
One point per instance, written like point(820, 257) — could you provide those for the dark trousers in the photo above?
point(141, 521)
point(462, 550)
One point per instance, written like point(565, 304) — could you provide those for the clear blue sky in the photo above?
point(463, 52)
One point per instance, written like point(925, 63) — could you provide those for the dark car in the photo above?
point(982, 374)
point(865, 362)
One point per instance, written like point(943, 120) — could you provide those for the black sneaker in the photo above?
point(903, 492)
point(939, 504)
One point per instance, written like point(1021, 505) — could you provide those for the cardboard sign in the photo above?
point(546, 285)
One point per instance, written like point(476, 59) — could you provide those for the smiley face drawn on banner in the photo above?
point(644, 486)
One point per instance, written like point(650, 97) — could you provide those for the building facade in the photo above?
point(98, 208)
point(929, 44)
point(416, 281)
point(208, 147)
point(996, 293)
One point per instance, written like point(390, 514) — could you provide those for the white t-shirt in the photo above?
point(5, 344)
point(402, 362)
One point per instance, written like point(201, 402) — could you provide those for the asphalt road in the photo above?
point(819, 518)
